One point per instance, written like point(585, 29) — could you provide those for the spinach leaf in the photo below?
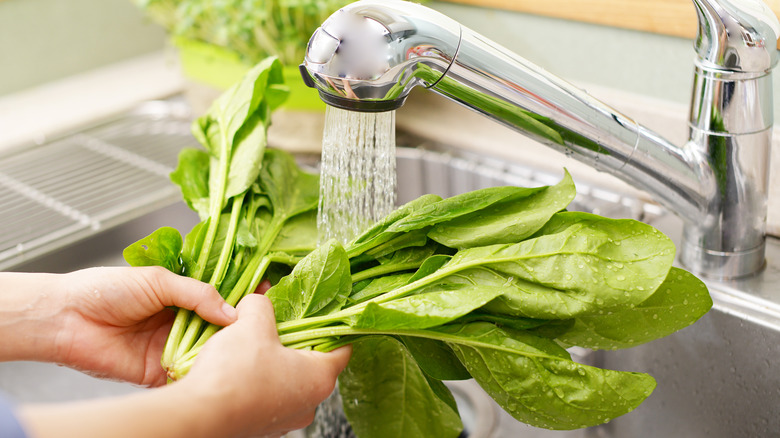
point(435, 358)
point(509, 220)
point(386, 395)
point(192, 177)
point(218, 242)
point(299, 234)
point(413, 239)
point(380, 233)
point(161, 248)
point(318, 281)
point(679, 302)
point(290, 190)
point(246, 158)
point(445, 396)
point(425, 310)
point(193, 242)
point(459, 206)
point(577, 264)
point(535, 381)
point(513, 322)
point(268, 92)
point(405, 259)
point(231, 110)
point(415, 255)
point(430, 266)
point(244, 236)
point(380, 285)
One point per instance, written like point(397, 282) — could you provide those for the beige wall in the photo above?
point(44, 40)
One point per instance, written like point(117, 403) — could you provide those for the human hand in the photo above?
point(115, 320)
point(257, 386)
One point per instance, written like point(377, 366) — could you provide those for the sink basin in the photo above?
point(717, 378)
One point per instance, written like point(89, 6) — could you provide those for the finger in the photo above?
point(339, 358)
point(191, 294)
point(333, 362)
point(258, 309)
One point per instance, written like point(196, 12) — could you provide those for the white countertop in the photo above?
point(48, 110)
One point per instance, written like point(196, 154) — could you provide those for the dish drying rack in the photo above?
point(62, 191)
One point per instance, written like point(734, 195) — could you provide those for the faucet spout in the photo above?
point(370, 54)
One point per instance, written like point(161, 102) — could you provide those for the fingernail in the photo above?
point(229, 311)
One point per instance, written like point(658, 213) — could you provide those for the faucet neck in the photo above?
point(736, 35)
point(731, 126)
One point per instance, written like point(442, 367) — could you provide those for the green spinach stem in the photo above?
point(246, 284)
point(381, 270)
point(215, 207)
point(326, 334)
point(230, 238)
point(172, 345)
point(174, 337)
point(194, 328)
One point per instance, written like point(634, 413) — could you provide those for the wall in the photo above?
point(44, 40)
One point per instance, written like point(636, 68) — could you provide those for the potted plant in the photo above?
point(219, 40)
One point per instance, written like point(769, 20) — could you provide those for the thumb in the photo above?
point(257, 309)
point(339, 358)
point(176, 290)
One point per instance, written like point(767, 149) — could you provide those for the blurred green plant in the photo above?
point(253, 29)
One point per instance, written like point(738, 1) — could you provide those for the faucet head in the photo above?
point(368, 55)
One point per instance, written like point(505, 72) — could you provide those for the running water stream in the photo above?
point(357, 174)
point(357, 188)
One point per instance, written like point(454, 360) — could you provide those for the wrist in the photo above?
point(200, 410)
point(170, 411)
point(30, 316)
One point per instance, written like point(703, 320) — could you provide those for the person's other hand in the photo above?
point(115, 320)
point(261, 387)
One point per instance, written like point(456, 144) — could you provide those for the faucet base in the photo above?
point(720, 265)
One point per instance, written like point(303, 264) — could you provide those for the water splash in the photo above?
point(357, 175)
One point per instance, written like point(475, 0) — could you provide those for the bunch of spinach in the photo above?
point(492, 285)
point(253, 202)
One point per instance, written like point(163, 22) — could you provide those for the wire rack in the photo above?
point(70, 188)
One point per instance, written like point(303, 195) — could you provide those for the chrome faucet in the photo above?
point(370, 54)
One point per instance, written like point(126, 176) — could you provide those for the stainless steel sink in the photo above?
point(717, 378)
